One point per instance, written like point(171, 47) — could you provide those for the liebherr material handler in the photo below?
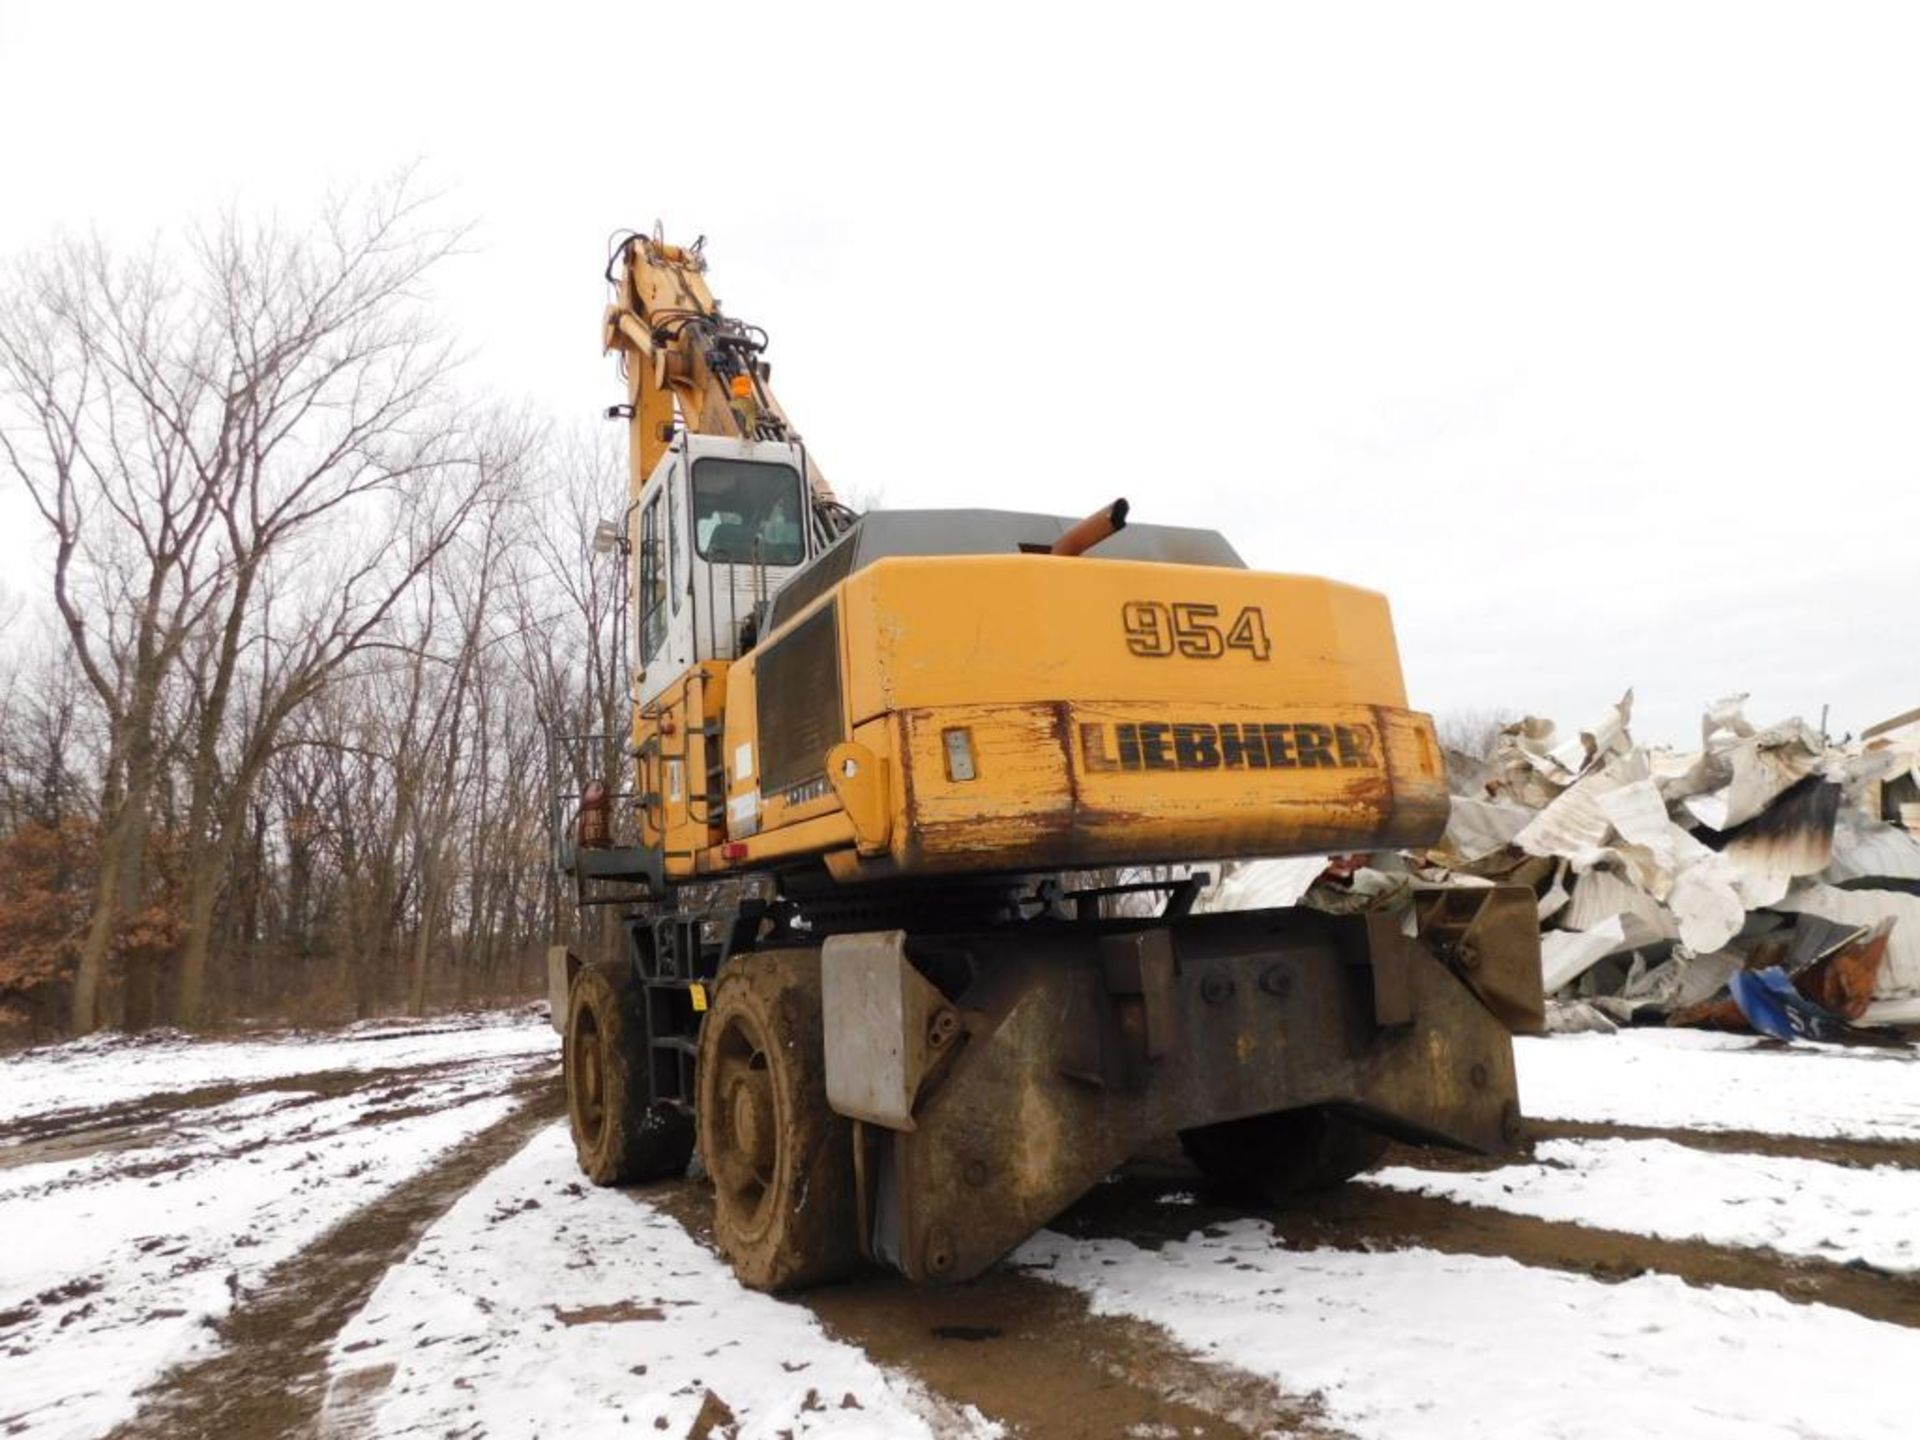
point(870, 756)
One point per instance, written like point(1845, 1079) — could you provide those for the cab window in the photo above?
point(676, 576)
point(653, 582)
point(747, 511)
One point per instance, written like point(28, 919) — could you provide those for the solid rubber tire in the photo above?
point(633, 1138)
point(803, 1230)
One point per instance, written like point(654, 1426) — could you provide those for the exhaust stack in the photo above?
point(1091, 531)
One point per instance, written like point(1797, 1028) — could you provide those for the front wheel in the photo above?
point(780, 1159)
point(1273, 1158)
point(620, 1134)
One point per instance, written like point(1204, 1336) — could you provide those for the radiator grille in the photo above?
point(797, 701)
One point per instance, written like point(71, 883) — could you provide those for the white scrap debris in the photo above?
point(1477, 828)
point(1894, 1012)
point(1865, 849)
point(1643, 860)
point(1659, 853)
point(1682, 979)
point(1260, 884)
point(1577, 1017)
point(1600, 896)
point(1869, 907)
point(1573, 827)
point(1706, 903)
point(1763, 767)
point(1566, 955)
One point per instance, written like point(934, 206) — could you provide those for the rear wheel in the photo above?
point(781, 1161)
point(1272, 1158)
point(619, 1133)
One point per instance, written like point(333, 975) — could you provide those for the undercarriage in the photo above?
point(928, 1091)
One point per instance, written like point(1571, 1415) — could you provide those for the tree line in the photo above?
point(276, 695)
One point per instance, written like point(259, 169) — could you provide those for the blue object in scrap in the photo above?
point(1773, 1007)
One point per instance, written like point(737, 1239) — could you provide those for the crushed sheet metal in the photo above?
point(1600, 895)
point(1572, 827)
point(1869, 907)
point(1764, 765)
point(1905, 1011)
point(1866, 849)
point(1841, 980)
point(1844, 980)
point(1655, 872)
point(1706, 901)
point(1578, 1017)
point(1479, 828)
point(1566, 955)
point(1792, 839)
point(1677, 983)
point(1261, 884)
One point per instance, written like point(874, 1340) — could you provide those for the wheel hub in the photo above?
point(753, 1122)
point(748, 1133)
point(589, 1079)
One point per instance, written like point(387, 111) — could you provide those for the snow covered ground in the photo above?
point(113, 1070)
point(1694, 1079)
point(1414, 1343)
point(1655, 1187)
point(538, 1298)
point(164, 1202)
point(121, 1258)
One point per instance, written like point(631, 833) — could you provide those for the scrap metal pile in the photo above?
point(1661, 874)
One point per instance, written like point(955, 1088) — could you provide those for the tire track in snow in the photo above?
point(1360, 1218)
point(266, 1377)
point(1409, 1342)
point(541, 1302)
point(1034, 1356)
point(1805, 1209)
point(1904, 1153)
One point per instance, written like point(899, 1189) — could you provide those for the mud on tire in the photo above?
point(619, 1134)
point(781, 1161)
point(1269, 1159)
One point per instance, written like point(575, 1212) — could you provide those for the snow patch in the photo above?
point(107, 1070)
point(122, 1262)
point(1655, 1187)
point(1699, 1080)
point(539, 1303)
point(1413, 1342)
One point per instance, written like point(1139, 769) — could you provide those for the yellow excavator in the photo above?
point(893, 775)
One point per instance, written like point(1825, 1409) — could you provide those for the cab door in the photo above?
point(663, 614)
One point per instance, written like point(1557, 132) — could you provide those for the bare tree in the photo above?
point(574, 662)
point(572, 605)
point(198, 436)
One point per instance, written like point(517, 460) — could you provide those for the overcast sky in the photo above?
point(1591, 336)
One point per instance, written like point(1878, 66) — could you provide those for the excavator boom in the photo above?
point(685, 363)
